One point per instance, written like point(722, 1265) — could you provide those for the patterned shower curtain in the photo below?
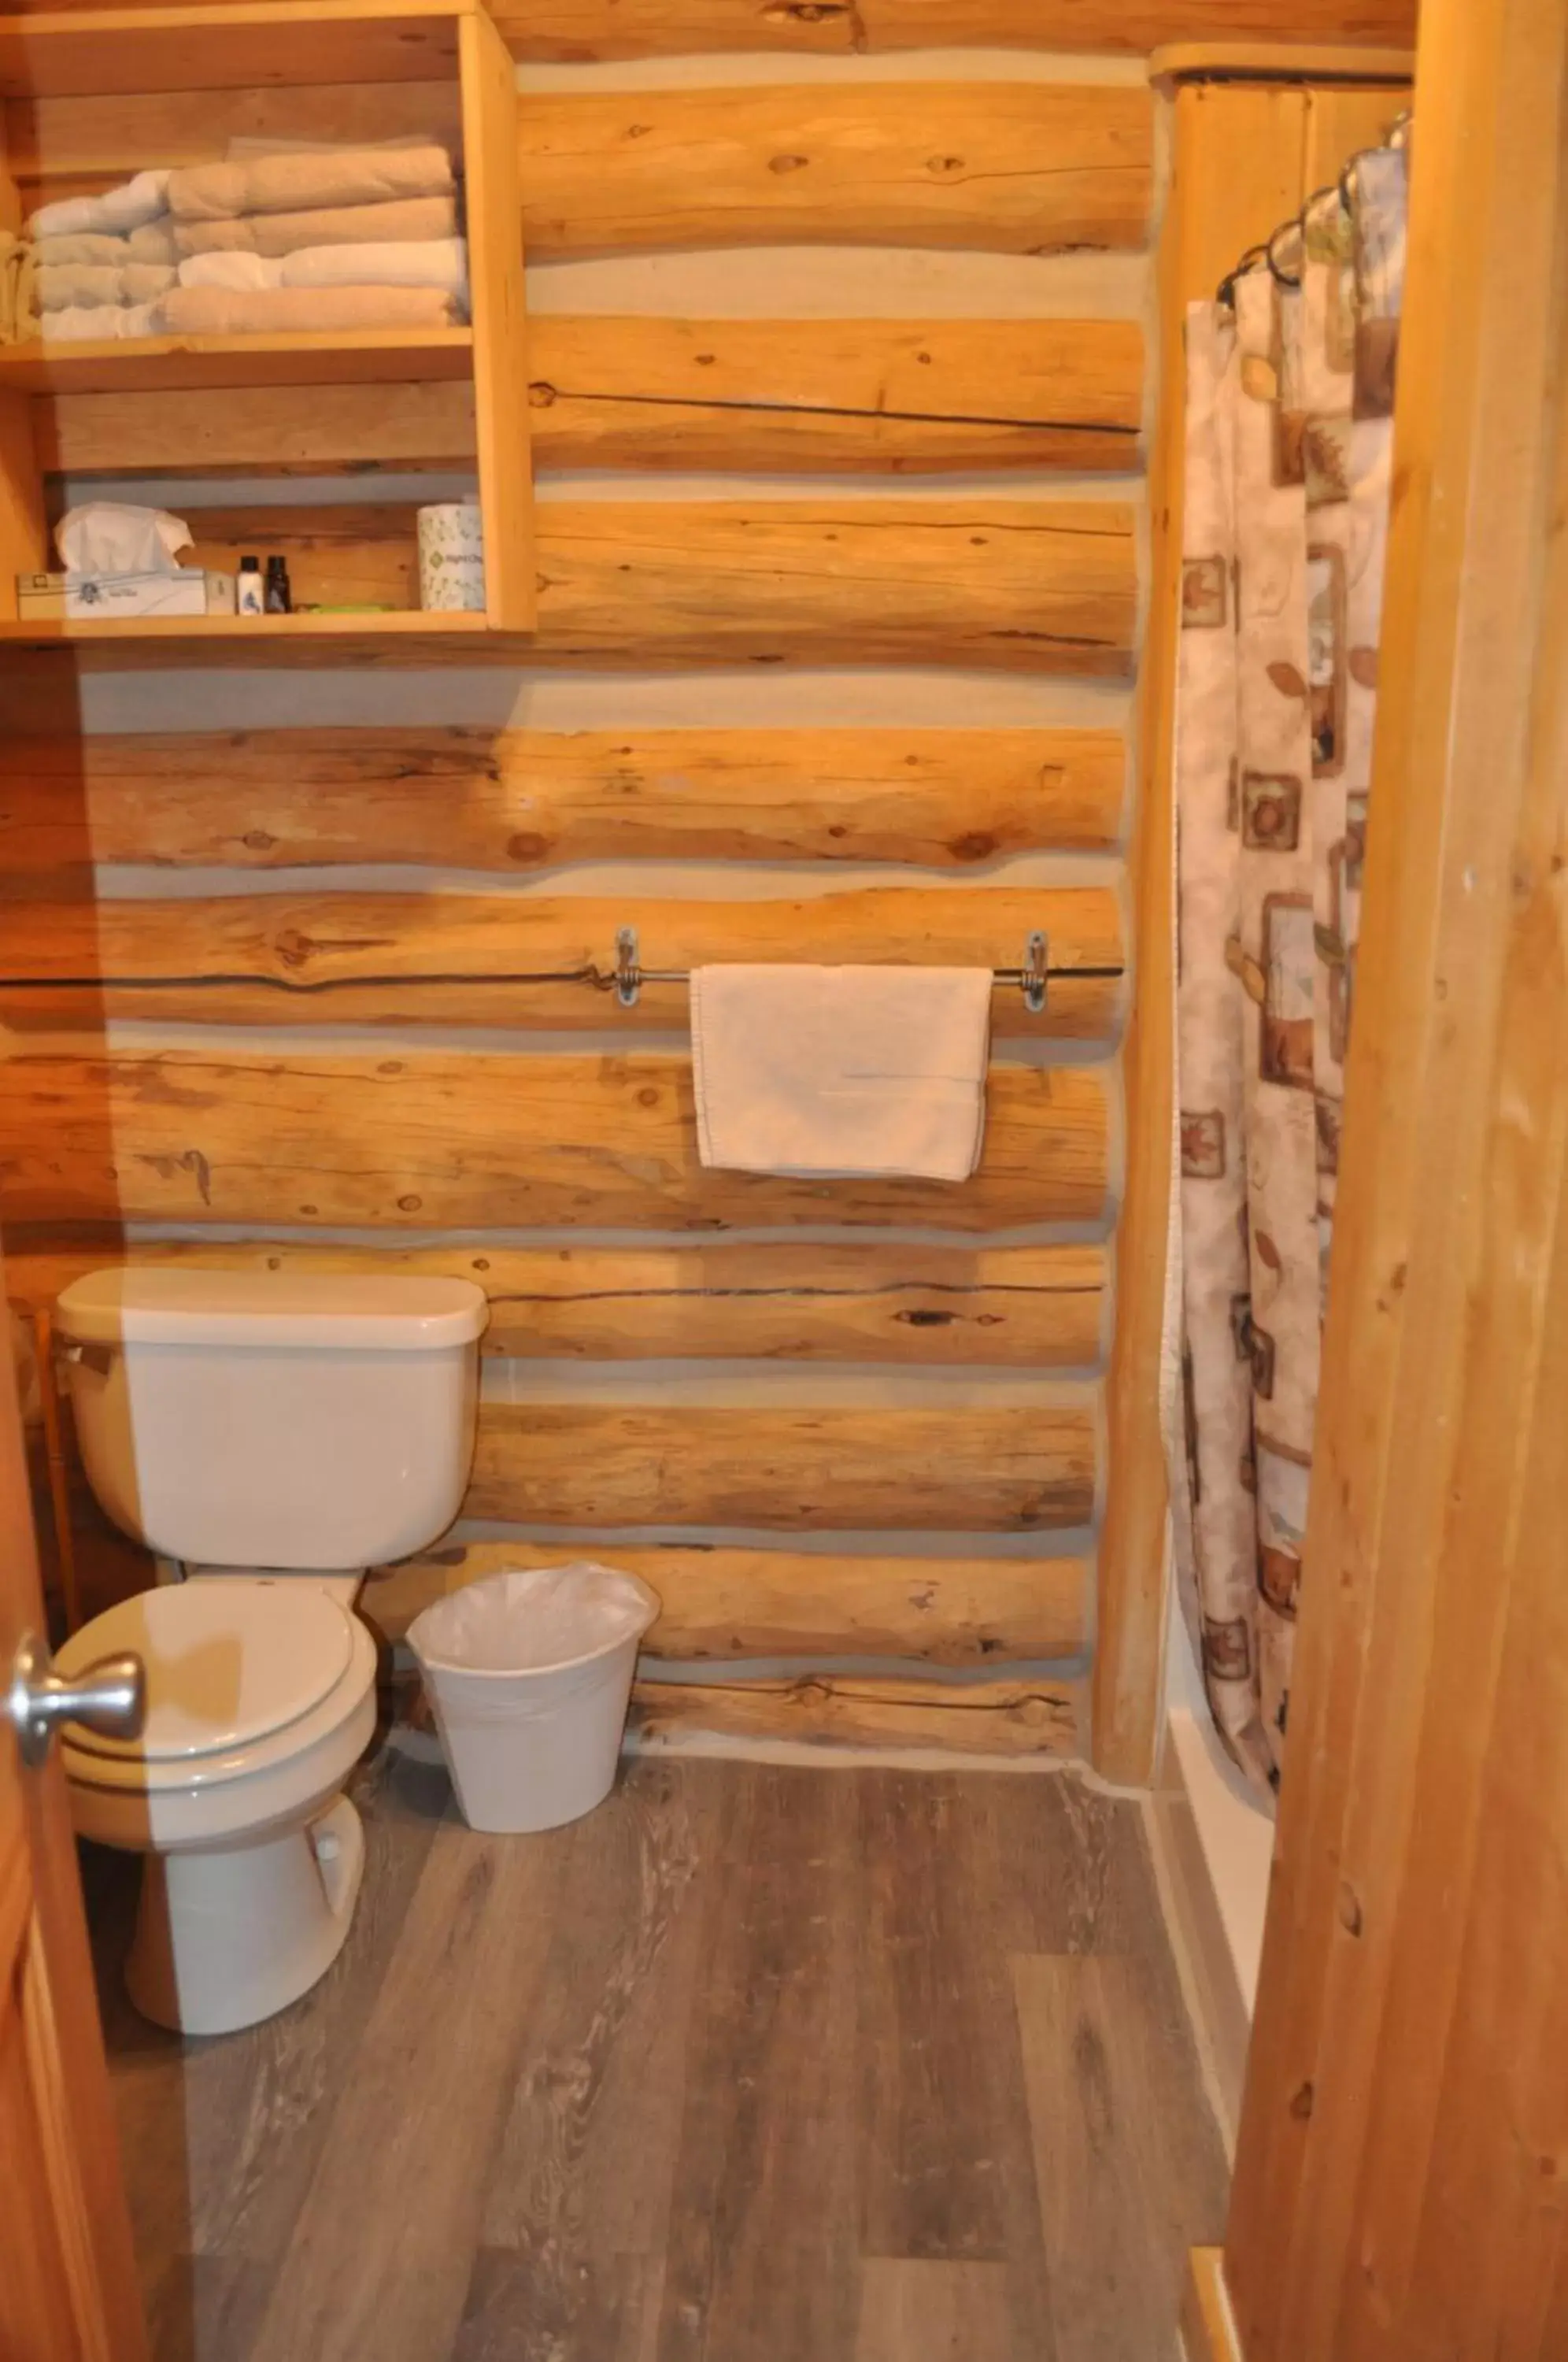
point(1288, 434)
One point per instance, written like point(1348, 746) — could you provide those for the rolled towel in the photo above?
point(412, 219)
point(289, 311)
point(145, 281)
point(841, 1070)
point(64, 286)
point(301, 181)
point(242, 274)
point(99, 322)
point(153, 242)
point(92, 246)
point(125, 208)
point(406, 262)
point(61, 285)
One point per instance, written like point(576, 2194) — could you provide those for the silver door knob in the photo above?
point(109, 1697)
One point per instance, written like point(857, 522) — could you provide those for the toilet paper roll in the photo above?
point(451, 558)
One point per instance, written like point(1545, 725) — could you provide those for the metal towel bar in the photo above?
point(1031, 978)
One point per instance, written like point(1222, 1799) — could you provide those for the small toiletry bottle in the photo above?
point(249, 596)
point(280, 599)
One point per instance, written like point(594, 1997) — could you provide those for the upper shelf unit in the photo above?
point(82, 95)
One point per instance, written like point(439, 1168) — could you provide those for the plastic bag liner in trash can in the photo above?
point(529, 1674)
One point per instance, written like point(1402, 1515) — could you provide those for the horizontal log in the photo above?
point(579, 31)
point(482, 1141)
point(1024, 1308)
point(500, 960)
point(728, 1605)
point(1003, 1470)
point(783, 395)
point(519, 801)
point(1013, 586)
point(1011, 1718)
point(1012, 168)
point(818, 394)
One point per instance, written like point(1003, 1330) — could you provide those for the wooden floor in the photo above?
point(753, 2065)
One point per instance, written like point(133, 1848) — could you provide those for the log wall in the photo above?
point(307, 970)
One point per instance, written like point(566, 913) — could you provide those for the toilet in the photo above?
point(271, 1436)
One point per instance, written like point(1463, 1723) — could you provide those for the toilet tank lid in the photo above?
point(385, 1313)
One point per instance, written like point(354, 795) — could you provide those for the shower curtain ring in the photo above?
point(1225, 293)
point(1281, 277)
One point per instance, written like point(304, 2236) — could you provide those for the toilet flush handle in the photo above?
point(109, 1697)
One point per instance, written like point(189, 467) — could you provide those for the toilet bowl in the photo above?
point(330, 1422)
point(260, 1701)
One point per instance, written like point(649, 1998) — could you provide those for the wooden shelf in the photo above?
point(155, 643)
point(312, 48)
point(405, 622)
point(191, 364)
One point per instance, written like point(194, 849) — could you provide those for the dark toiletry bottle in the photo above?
point(280, 599)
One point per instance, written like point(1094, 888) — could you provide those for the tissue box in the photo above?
point(106, 597)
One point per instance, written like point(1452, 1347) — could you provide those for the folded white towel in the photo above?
point(87, 245)
point(291, 311)
point(841, 1070)
point(401, 262)
point(154, 242)
point(242, 274)
point(298, 180)
point(439, 262)
point(64, 285)
point(98, 323)
point(125, 208)
point(408, 218)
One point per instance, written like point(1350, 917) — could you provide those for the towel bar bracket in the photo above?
point(628, 974)
point(1037, 973)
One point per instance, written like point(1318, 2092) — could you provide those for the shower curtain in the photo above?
point(1288, 434)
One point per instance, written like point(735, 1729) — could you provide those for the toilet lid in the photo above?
point(229, 1658)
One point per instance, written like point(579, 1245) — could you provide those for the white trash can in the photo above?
point(529, 1674)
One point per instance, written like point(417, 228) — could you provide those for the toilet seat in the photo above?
point(240, 1675)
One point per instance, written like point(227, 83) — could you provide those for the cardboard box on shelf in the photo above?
point(108, 597)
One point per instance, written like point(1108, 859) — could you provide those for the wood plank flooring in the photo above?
point(753, 2065)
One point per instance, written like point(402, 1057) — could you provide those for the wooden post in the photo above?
point(1398, 2188)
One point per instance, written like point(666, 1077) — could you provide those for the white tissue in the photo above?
point(112, 537)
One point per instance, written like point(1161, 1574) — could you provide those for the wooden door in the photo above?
point(1401, 2183)
point(68, 2287)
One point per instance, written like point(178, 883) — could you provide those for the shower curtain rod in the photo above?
point(1344, 188)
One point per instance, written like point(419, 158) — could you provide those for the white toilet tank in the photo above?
point(274, 1419)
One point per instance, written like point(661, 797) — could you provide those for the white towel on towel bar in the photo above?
point(841, 1070)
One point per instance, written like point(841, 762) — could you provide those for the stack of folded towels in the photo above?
point(271, 242)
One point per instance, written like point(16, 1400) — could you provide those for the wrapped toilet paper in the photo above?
point(114, 537)
point(451, 558)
